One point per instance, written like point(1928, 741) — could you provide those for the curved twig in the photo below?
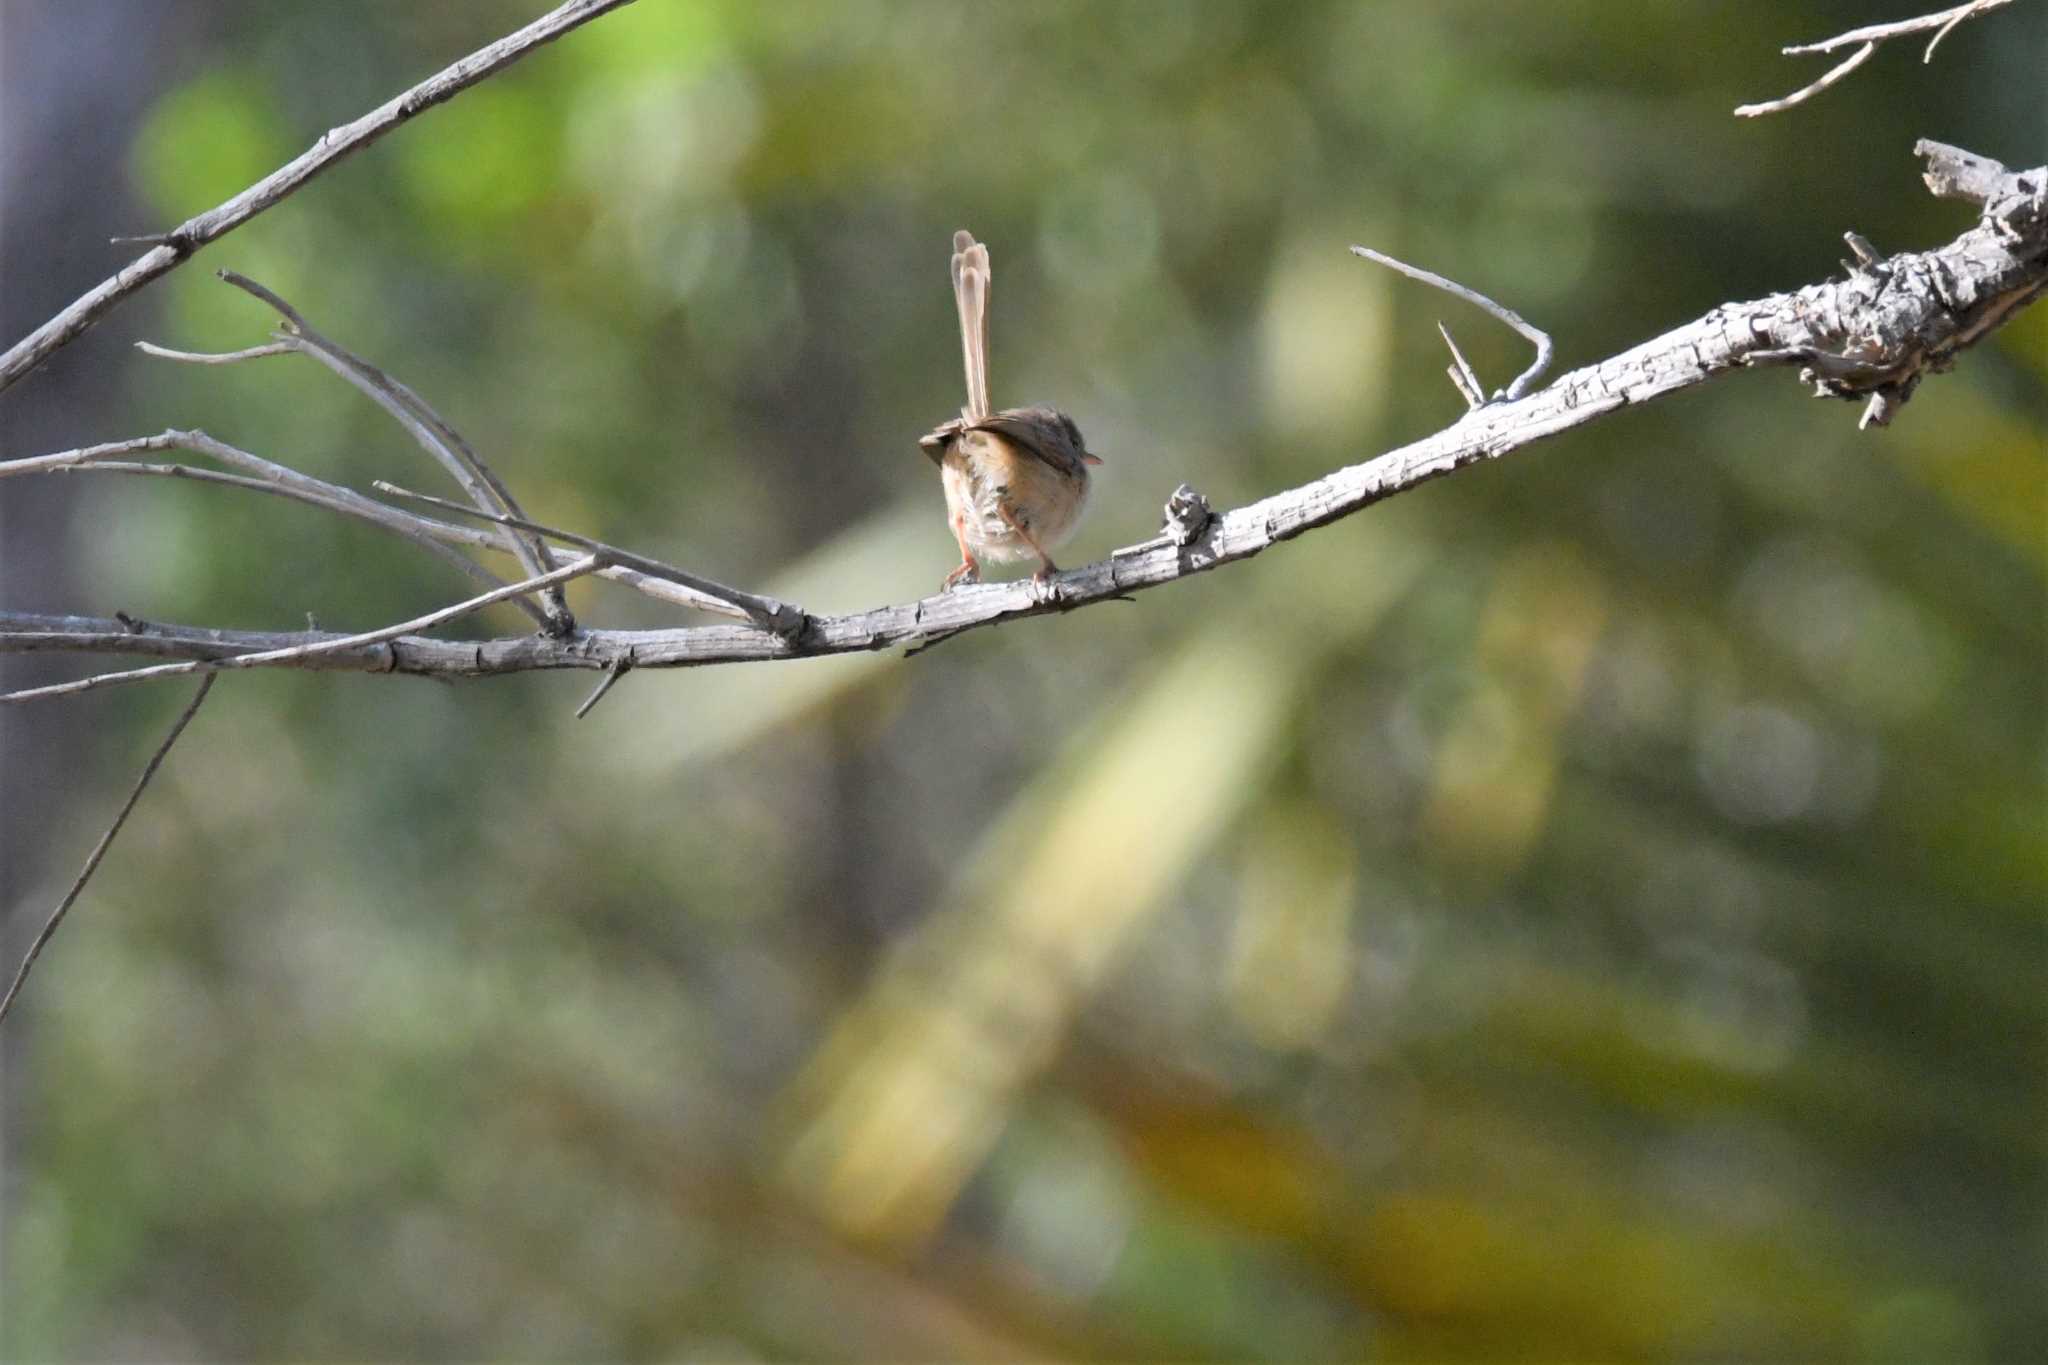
point(1535, 336)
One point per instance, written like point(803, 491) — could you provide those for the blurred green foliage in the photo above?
point(1589, 908)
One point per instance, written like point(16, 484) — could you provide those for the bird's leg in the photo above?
point(1046, 568)
point(969, 571)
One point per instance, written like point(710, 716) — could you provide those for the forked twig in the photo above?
point(1866, 41)
point(99, 851)
point(426, 426)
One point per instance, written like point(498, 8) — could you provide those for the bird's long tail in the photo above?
point(971, 279)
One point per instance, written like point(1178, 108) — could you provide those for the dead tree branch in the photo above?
point(1871, 336)
point(1866, 41)
point(312, 644)
point(173, 247)
point(427, 427)
point(279, 480)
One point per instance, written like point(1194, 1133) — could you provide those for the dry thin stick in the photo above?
point(137, 445)
point(1866, 41)
point(617, 671)
point(216, 357)
point(1956, 16)
point(270, 478)
point(1807, 92)
point(179, 243)
point(1460, 371)
point(427, 427)
point(1534, 335)
point(99, 851)
point(766, 612)
point(330, 645)
point(284, 481)
point(419, 530)
point(1943, 20)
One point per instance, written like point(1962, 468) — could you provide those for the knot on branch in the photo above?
point(787, 623)
point(1187, 515)
point(1895, 320)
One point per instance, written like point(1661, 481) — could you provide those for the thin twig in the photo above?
point(618, 670)
point(1534, 335)
point(1943, 20)
point(270, 478)
point(333, 644)
point(1460, 371)
point(217, 357)
point(99, 851)
point(137, 445)
point(284, 481)
point(181, 241)
point(427, 427)
point(766, 612)
point(1866, 40)
point(1956, 16)
point(1807, 92)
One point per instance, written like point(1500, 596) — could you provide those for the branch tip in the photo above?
point(1868, 39)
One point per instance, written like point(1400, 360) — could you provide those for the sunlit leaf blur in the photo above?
point(1590, 907)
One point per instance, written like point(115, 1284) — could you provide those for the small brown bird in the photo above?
point(1017, 480)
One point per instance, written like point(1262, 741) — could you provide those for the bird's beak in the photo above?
point(1086, 458)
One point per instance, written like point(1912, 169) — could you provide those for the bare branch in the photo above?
point(1944, 20)
point(275, 479)
point(325, 645)
point(1807, 92)
point(1866, 40)
point(99, 851)
point(1870, 337)
point(765, 612)
point(290, 483)
point(427, 427)
point(140, 445)
point(1534, 335)
point(179, 243)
